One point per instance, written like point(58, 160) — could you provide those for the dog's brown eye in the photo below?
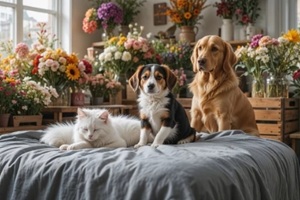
point(145, 77)
point(214, 49)
point(159, 78)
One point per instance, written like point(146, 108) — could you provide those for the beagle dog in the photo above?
point(162, 117)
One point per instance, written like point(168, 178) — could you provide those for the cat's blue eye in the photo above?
point(85, 129)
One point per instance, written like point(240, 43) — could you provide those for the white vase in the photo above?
point(227, 30)
point(243, 32)
point(250, 31)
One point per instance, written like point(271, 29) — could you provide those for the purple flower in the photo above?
point(255, 40)
point(110, 15)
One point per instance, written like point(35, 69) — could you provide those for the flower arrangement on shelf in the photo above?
point(7, 91)
point(102, 85)
point(176, 55)
point(22, 95)
point(122, 54)
point(278, 57)
point(247, 11)
point(57, 68)
point(181, 81)
point(225, 8)
point(254, 58)
point(185, 13)
point(31, 97)
point(108, 15)
point(51, 67)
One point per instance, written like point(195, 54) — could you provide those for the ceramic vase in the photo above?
point(187, 34)
point(227, 30)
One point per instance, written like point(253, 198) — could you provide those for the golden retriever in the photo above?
point(218, 103)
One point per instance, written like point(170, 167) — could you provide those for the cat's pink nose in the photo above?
point(90, 136)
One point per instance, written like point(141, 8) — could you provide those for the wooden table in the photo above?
point(59, 111)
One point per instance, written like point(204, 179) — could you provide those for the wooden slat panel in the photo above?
point(265, 102)
point(272, 129)
point(268, 115)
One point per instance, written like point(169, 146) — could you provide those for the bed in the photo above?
point(228, 165)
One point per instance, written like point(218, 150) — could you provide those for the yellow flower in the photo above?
point(122, 41)
point(72, 72)
point(292, 35)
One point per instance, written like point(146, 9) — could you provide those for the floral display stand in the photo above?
point(22, 120)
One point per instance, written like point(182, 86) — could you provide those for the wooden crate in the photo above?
point(276, 118)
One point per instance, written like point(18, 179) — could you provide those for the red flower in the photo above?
point(296, 74)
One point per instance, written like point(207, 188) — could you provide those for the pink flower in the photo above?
point(22, 50)
point(89, 26)
point(137, 45)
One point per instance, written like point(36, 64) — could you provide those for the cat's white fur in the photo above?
point(94, 128)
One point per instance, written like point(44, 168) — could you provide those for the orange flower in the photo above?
point(187, 15)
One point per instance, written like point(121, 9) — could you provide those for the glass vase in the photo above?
point(258, 88)
point(122, 78)
point(64, 98)
point(277, 86)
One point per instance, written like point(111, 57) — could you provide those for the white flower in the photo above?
point(149, 35)
point(101, 57)
point(118, 55)
point(126, 56)
point(107, 57)
point(62, 60)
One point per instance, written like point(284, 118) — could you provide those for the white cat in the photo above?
point(94, 128)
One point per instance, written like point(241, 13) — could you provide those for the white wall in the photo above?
point(268, 21)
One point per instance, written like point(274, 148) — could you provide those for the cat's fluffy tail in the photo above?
point(58, 134)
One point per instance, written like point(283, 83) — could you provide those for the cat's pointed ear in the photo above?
point(80, 113)
point(104, 116)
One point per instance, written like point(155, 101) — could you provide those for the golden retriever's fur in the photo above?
point(218, 103)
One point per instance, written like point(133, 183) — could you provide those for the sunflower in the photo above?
point(72, 72)
point(292, 35)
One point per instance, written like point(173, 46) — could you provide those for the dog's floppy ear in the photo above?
point(135, 78)
point(194, 57)
point(171, 79)
point(229, 58)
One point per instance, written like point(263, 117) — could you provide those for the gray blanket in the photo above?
point(229, 165)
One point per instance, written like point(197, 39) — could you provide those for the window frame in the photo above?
point(18, 10)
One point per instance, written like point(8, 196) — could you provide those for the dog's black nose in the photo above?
point(151, 86)
point(202, 61)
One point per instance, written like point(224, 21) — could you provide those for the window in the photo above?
point(18, 18)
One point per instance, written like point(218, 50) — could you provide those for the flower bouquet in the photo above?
point(175, 55)
point(225, 8)
point(108, 15)
point(181, 81)
point(185, 13)
point(123, 54)
point(278, 57)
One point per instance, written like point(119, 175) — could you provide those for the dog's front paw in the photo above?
point(64, 147)
point(138, 145)
point(155, 145)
